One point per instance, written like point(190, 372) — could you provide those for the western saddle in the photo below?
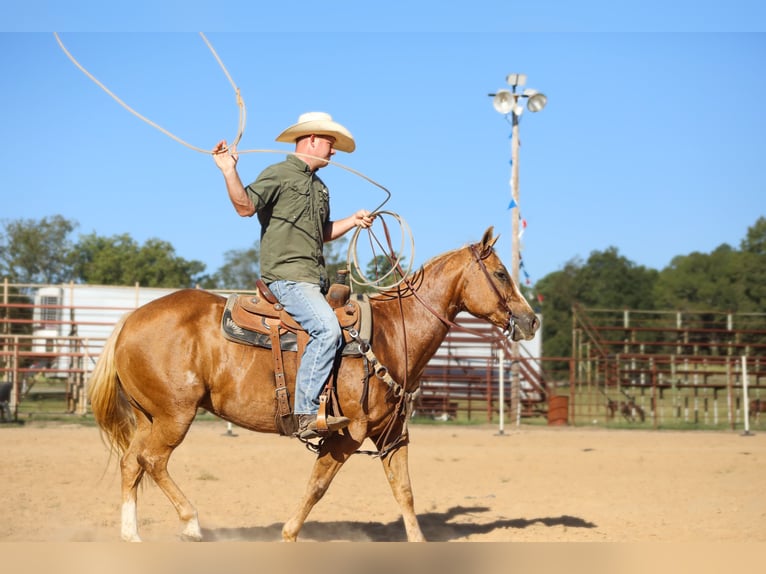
point(260, 320)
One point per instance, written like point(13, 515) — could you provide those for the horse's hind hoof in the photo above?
point(187, 538)
point(192, 532)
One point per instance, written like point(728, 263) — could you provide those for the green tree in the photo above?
point(379, 272)
point(119, 260)
point(335, 255)
point(240, 270)
point(558, 292)
point(37, 251)
point(610, 280)
point(607, 280)
point(703, 282)
point(753, 267)
point(755, 239)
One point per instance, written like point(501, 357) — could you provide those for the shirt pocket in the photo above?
point(293, 203)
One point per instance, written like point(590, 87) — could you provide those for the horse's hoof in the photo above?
point(288, 536)
point(192, 532)
point(188, 538)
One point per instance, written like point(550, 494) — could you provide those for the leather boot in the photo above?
point(307, 425)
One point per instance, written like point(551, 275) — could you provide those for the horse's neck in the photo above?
point(416, 318)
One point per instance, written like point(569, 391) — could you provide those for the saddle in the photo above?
point(255, 319)
point(260, 320)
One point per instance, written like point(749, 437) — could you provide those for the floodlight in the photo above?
point(503, 102)
point(536, 102)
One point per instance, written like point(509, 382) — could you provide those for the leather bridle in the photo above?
point(511, 325)
point(509, 329)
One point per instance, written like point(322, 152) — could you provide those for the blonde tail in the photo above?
point(110, 407)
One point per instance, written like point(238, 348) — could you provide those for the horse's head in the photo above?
point(490, 292)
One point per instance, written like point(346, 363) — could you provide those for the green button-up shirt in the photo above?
point(293, 207)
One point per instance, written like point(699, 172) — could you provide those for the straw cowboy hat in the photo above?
point(319, 123)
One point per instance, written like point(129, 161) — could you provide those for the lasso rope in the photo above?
point(394, 257)
point(360, 278)
point(240, 102)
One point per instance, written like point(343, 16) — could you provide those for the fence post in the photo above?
point(14, 402)
point(501, 383)
point(654, 393)
point(745, 399)
point(730, 394)
point(572, 379)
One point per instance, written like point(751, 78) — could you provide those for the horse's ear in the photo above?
point(487, 242)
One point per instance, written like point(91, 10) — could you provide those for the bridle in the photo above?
point(510, 328)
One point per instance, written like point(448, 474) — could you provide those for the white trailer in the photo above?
point(72, 322)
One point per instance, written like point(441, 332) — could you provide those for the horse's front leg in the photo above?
point(335, 451)
point(397, 471)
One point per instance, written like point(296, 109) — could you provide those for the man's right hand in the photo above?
point(225, 157)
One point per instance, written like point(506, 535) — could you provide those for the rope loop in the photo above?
point(394, 257)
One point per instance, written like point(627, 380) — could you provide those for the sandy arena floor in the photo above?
point(530, 485)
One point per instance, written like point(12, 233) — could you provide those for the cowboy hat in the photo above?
point(319, 123)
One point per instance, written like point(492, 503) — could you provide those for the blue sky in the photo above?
point(652, 140)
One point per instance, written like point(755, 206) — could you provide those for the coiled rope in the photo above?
point(356, 273)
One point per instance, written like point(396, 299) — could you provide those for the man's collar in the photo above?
point(299, 163)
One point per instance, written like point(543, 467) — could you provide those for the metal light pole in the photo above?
point(507, 103)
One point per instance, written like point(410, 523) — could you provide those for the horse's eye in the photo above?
point(502, 276)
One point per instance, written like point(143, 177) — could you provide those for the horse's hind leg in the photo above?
point(132, 473)
point(336, 451)
point(396, 467)
point(164, 436)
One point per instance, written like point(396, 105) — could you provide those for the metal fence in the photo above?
point(627, 369)
point(661, 369)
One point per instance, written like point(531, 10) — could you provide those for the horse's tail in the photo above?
point(110, 406)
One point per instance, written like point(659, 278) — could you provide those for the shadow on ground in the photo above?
point(454, 524)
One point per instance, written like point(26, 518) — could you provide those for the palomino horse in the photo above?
point(168, 358)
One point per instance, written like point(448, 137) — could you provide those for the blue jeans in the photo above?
point(307, 305)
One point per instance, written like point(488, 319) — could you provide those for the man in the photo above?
point(293, 207)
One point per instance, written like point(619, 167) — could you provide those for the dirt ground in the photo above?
point(471, 484)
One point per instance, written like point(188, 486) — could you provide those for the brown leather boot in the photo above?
point(307, 425)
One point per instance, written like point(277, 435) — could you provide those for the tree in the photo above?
point(379, 272)
point(755, 240)
point(37, 251)
point(119, 260)
point(336, 255)
point(240, 270)
point(606, 279)
point(703, 282)
point(610, 280)
point(753, 266)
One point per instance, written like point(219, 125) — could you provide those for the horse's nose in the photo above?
point(531, 322)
